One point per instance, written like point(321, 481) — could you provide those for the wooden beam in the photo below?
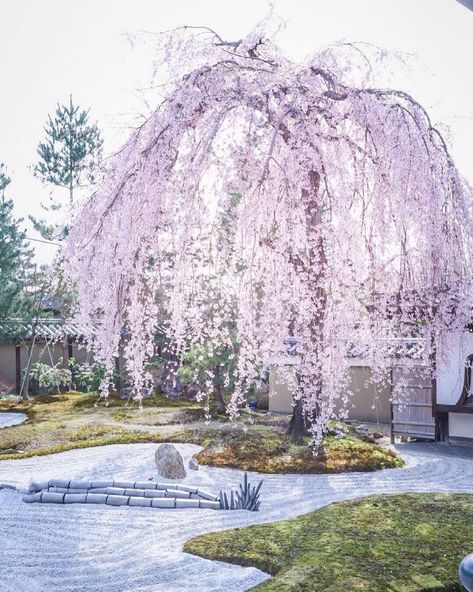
point(454, 409)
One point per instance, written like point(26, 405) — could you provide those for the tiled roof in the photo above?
point(413, 348)
point(48, 329)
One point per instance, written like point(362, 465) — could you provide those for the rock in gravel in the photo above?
point(169, 462)
point(6, 486)
point(193, 464)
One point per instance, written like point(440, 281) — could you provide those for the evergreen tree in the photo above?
point(15, 256)
point(69, 157)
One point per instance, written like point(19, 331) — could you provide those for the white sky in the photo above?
point(51, 48)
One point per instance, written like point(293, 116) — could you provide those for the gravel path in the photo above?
point(10, 418)
point(110, 549)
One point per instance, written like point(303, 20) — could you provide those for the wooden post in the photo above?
point(391, 425)
point(18, 367)
point(65, 352)
point(439, 429)
point(118, 382)
point(119, 368)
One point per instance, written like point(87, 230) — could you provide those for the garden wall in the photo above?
point(369, 403)
point(40, 354)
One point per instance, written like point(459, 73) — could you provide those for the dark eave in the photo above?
point(467, 3)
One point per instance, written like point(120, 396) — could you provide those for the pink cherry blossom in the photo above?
point(351, 224)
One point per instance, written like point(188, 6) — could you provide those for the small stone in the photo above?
point(193, 465)
point(169, 462)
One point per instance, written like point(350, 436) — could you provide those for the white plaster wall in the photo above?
point(282, 384)
point(368, 403)
point(451, 366)
point(8, 364)
point(460, 425)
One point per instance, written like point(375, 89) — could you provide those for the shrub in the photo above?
point(43, 376)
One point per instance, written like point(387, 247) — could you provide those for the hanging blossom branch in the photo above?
point(350, 223)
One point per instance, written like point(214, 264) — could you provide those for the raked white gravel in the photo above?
point(11, 418)
point(79, 548)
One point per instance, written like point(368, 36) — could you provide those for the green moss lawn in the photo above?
point(257, 443)
point(77, 420)
point(381, 543)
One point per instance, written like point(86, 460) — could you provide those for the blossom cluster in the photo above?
point(350, 224)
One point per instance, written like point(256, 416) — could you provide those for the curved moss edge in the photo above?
point(266, 449)
point(81, 438)
point(51, 423)
point(53, 426)
point(380, 543)
point(368, 458)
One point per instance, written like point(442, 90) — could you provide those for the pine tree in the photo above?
point(15, 256)
point(69, 157)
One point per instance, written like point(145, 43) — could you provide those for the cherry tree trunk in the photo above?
point(297, 425)
point(313, 264)
point(218, 390)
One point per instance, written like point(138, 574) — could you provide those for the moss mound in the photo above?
point(382, 543)
point(268, 449)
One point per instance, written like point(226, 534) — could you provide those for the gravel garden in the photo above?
point(378, 535)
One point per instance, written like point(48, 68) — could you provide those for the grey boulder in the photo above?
point(169, 462)
point(193, 464)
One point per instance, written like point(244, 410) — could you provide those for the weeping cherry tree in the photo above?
point(352, 224)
